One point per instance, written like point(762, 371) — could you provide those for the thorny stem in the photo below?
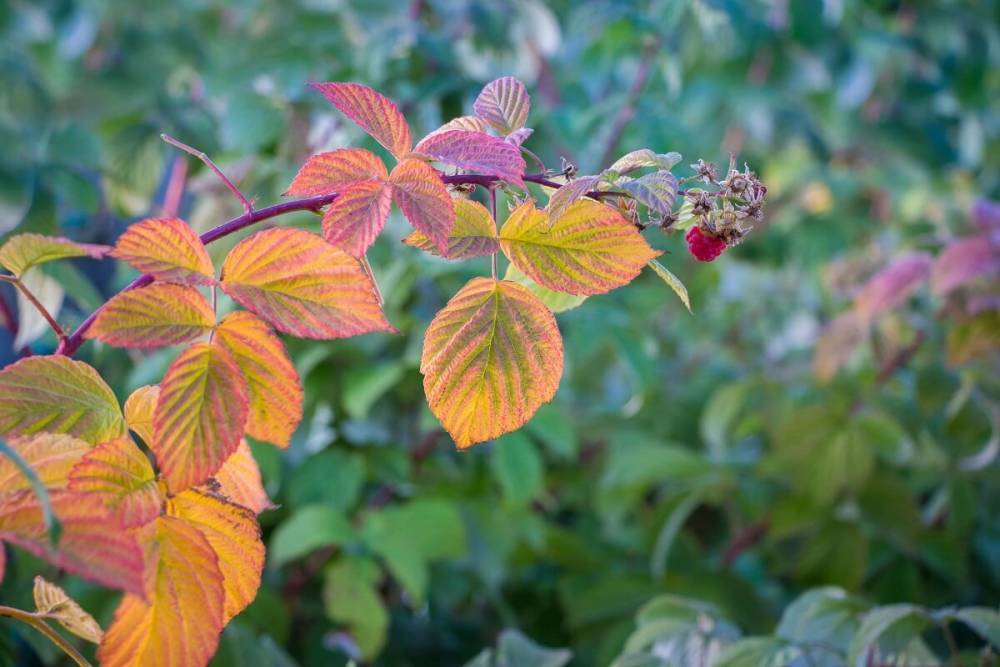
point(36, 621)
point(37, 304)
point(247, 206)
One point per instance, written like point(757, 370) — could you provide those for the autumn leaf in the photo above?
point(275, 390)
point(180, 621)
point(58, 395)
point(475, 151)
point(422, 197)
point(120, 476)
point(892, 286)
point(52, 602)
point(561, 199)
point(23, 251)
point(474, 233)
point(354, 220)
point(167, 249)
point(239, 481)
point(139, 410)
point(963, 261)
point(303, 286)
point(375, 113)
point(234, 536)
point(200, 415)
point(154, 316)
point(51, 456)
point(589, 249)
point(335, 171)
point(474, 123)
point(504, 103)
point(492, 356)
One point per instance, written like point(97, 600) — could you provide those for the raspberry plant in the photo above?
point(160, 499)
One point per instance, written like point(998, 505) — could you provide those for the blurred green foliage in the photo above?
point(692, 455)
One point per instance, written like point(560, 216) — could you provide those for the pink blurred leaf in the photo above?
point(962, 261)
point(893, 285)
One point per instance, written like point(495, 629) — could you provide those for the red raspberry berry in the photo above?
point(704, 246)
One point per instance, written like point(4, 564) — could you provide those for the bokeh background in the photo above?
point(736, 456)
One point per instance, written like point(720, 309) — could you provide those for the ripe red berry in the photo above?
point(704, 246)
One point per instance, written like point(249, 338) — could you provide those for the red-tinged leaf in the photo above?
point(424, 200)
point(139, 410)
point(474, 233)
point(474, 123)
point(154, 316)
point(179, 622)
point(51, 456)
point(301, 285)
point(561, 199)
point(356, 218)
point(518, 137)
point(234, 535)
point(589, 249)
point(475, 151)
point(239, 481)
point(119, 475)
point(375, 113)
point(892, 286)
point(504, 103)
point(58, 395)
point(491, 358)
point(335, 171)
point(23, 251)
point(200, 415)
point(167, 249)
point(87, 547)
point(274, 387)
point(837, 344)
point(964, 261)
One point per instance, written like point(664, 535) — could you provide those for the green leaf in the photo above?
point(672, 281)
point(364, 385)
point(720, 414)
point(514, 649)
point(332, 477)
point(828, 615)
point(350, 596)
point(758, 652)
point(668, 533)
point(557, 302)
point(555, 428)
point(518, 468)
point(892, 628)
point(985, 621)
point(307, 529)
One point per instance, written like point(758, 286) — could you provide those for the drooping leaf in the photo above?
point(239, 480)
point(657, 191)
point(560, 200)
point(335, 171)
point(53, 602)
point(119, 475)
point(492, 356)
point(354, 220)
point(234, 535)
point(168, 249)
point(273, 382)
point(422, 197)
point(504, 104)
point(557, 302)
point(672, 281)
point(375, 113)
point(473, 235)
point(180, 621)
point(154, 316)
point(58, 395)
point(200, 415)
point(301, 285)
point(477, 152)
point(892, 286)
point(589, 249)
point(23, 251)
point(963, 261)
point(139, 410)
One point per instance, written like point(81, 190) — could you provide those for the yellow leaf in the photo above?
point(274, 387)
point(50, 455)
point(23, 251)
point(52, 602)
point(179, 624)
point(491, 358)
point(200, 415)
point(167, 249)
point(120, 476)
point(589, 249)
point(473, 235)
point(155, 316)
point(335, 171)
point(239, 480)
point(139, 409)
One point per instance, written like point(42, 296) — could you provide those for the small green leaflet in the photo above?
point(675, 283)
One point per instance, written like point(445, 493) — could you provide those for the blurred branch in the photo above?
point(39, 624)
point(37, 304)
point(247, 205)
point(175, 189)
point(627, 111)
point(744, 540)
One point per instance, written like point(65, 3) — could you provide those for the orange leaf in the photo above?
point(58, 395)
point(50, 455)
point(375, 113)
point(119, 475)
point(504, 103)
point(424, 200)
point(239, 480)
point(181, 621)
point(234, 535)
point(491, 358)
point(354, 220)
point(199, 416)
point(139, 409)
point(334, 171)
point(154, 316)
point(589, 249)
point(23, 251)
point(302, 285)
point(168, 249)
point(476, 151)
point(274, 387)
point(473, 235)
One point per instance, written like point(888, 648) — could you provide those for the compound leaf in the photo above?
point(475, 151)
point(335, 171)
point(354, 220)
point(422, 197)
point(376, 114)
point(120, 476)
point(167, 249)
point(474, 233)
point(154, 316)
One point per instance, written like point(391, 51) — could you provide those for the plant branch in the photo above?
point(247, 206)
point(36, 621)
point(37, 304)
